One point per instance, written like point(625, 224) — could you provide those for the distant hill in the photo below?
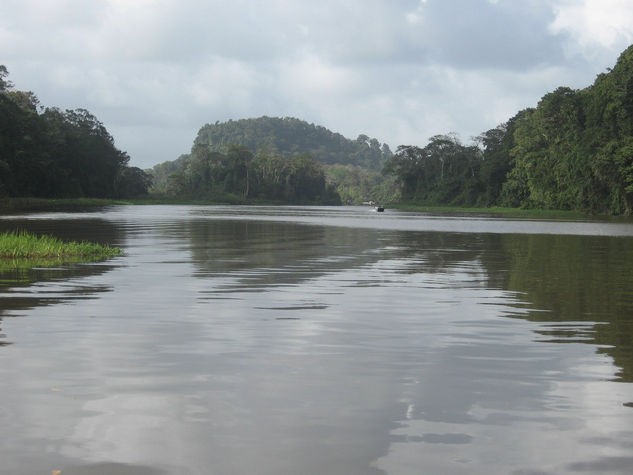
point(289, 136)
point(277, 159)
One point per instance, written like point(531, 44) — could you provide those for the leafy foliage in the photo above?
point(443, 172)
point(277, 159)
point(289, 136)
point(57, 153)
point(573, 151)
point(239, 176)
point(356, 185)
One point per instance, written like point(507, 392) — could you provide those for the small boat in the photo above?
point(380, 209)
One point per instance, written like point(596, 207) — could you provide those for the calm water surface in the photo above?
point(261, 340)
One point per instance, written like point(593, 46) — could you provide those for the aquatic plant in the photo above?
point(20, 245)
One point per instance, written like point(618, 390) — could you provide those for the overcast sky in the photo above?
point(155, 71)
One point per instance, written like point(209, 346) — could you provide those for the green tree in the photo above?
point(238, 170)
point(54, 153)
point(409, 166)
point(443, 172)
point(5, 84)
point(496, 162)
point(132, 183)
point(289, 136)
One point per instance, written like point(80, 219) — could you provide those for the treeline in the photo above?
point(51, 153)
point(573, 151)
point(239, 176)
point(280, 147)
point(289, 136)
point(356, 185)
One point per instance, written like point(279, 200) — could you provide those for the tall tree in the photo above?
point(5, 84)
point(55, 153)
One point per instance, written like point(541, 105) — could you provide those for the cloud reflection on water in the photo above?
point(237, 346)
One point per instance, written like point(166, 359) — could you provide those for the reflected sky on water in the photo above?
point(320, 340)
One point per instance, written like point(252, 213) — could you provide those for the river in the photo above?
point(315, 340)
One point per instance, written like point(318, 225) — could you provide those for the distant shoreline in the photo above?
point(17, 205)
point(494, 210)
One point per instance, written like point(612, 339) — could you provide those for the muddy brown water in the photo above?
point(310, 340)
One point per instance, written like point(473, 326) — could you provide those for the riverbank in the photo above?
point(492, 211)
point(17, 205)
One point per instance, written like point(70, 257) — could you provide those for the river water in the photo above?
point(310, 340)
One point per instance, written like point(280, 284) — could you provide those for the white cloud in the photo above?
point(592, 23)
point(597, 30)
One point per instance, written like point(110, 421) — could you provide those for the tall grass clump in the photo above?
point(23, 245)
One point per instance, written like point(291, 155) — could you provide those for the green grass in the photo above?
point(23, 250)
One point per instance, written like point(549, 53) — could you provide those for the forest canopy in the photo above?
point(573, 151)
point(50, 153)
point(239, 176)
point(291, 161)
point(288, 136)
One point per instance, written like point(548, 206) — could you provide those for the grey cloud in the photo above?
point(481, 34)
point(154, 72)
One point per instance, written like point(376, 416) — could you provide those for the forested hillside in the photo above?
point(288, 136)
point(52, 153)
point(574, 150)
point(239, 176)
point(290, 161)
